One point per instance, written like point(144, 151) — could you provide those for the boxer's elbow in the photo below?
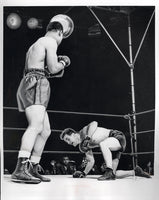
point(94, 123)
point(55, 68)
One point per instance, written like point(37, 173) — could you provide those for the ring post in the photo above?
point(131, 139)
point(132, 89)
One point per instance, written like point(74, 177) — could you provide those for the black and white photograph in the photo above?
point(79, 100)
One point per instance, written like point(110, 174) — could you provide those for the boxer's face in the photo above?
point(71, 139)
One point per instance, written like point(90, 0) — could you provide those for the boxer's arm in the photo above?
point(59, 75)
point(91, 128)
point(51, 57)
point(90, 163)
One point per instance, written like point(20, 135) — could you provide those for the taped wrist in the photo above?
point(63, 62)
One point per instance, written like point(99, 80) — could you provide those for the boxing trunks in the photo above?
point(122, 140)
point(34, 89)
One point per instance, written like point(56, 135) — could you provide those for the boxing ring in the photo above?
point(64, 186)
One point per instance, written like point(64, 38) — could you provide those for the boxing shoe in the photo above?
point(21, 174)
point(108, 175)
point(139, 172)
point(34, 171)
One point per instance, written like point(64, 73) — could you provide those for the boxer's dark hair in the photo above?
point(67, 131)
point(54, 26)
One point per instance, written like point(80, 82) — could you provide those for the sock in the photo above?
point(23, 154)
point(35, 159)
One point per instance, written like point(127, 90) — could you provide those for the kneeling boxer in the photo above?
point(92, 136)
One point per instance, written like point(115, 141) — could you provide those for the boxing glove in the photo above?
point(84, 145)
point(64, 60)
point(79, 174)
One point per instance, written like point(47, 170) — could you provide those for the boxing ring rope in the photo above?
point(76, 113)
point(143, 112)
point(59, 131)
point(78, 152)
point(139, 153)
point(85, 113)
point(23, 129)
point(140, 132)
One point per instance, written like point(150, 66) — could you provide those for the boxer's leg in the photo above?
point(138, 171)
point(106, 146)
point(35, 115)
point(38, 149)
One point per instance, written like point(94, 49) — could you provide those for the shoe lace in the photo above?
point(26, 163)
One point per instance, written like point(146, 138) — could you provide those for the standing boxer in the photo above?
point(33, 96)
point(109, 141)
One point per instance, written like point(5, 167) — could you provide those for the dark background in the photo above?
point(98, 80)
